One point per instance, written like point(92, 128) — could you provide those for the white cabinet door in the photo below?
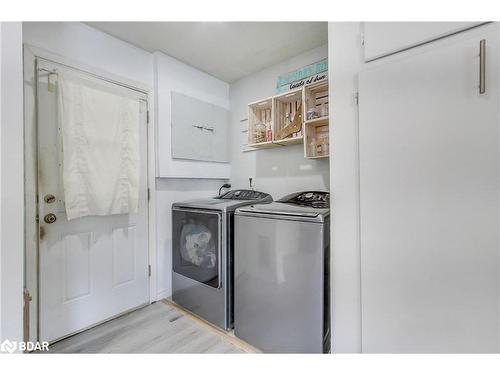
point(188, 133)
point(199, 130)
point(429, 199)
point(383, 38)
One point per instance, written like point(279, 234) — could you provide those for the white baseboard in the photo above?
point(162, 294)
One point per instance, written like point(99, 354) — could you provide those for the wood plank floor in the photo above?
point(157, 328)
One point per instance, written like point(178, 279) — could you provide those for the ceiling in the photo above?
point(226, 50)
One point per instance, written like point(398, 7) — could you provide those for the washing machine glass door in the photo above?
point(196, 245)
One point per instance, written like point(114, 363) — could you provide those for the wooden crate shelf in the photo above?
point(318, 157)
point(316, 140)
point(269, 144)
point(260, 122)
point(290, 141)
point(316, 101)
point(283, 120)
point(288, 115)
point(316, 121)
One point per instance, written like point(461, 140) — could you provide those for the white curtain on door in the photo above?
point(100, 147)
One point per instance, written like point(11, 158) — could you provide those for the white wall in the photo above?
point(88, 46)
point(11, 182)
point(282, 170)
point(181, 179)
point(345, 61)
point(173, 75)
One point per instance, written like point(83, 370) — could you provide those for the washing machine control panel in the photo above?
point(320, 199)
point(244, 195)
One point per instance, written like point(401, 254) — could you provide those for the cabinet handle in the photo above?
point(482, 66)
point(210, 129)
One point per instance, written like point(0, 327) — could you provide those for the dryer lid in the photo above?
point(286, 211)
point(227, 202)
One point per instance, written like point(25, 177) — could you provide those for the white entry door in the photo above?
point(90, 268)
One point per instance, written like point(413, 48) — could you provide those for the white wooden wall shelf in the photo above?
point(292, 118)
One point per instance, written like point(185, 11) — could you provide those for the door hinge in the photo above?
point(149, 270)
point(149, 194)
point(356, 97)
point(147, 117)
point(362, 39)
point(27, 296)
point(26, 314)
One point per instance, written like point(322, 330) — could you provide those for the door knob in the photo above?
point(50, 218)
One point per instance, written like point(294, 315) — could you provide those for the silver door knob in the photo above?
point(50, 218)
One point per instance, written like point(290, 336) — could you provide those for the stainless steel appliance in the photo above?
point(282, 274)
point(202, 254)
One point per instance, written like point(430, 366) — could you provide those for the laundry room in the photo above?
point(217, 132)
point(249, 187)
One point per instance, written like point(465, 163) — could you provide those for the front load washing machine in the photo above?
point(203, 252)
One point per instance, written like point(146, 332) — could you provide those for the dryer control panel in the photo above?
point(319, 199)
point(245, 195)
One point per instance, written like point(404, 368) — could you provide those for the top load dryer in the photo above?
point(282, 274)
point(203, 252)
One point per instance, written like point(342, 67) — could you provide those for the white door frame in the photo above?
point(31, 54)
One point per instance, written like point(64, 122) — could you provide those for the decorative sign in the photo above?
point(309, 74)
